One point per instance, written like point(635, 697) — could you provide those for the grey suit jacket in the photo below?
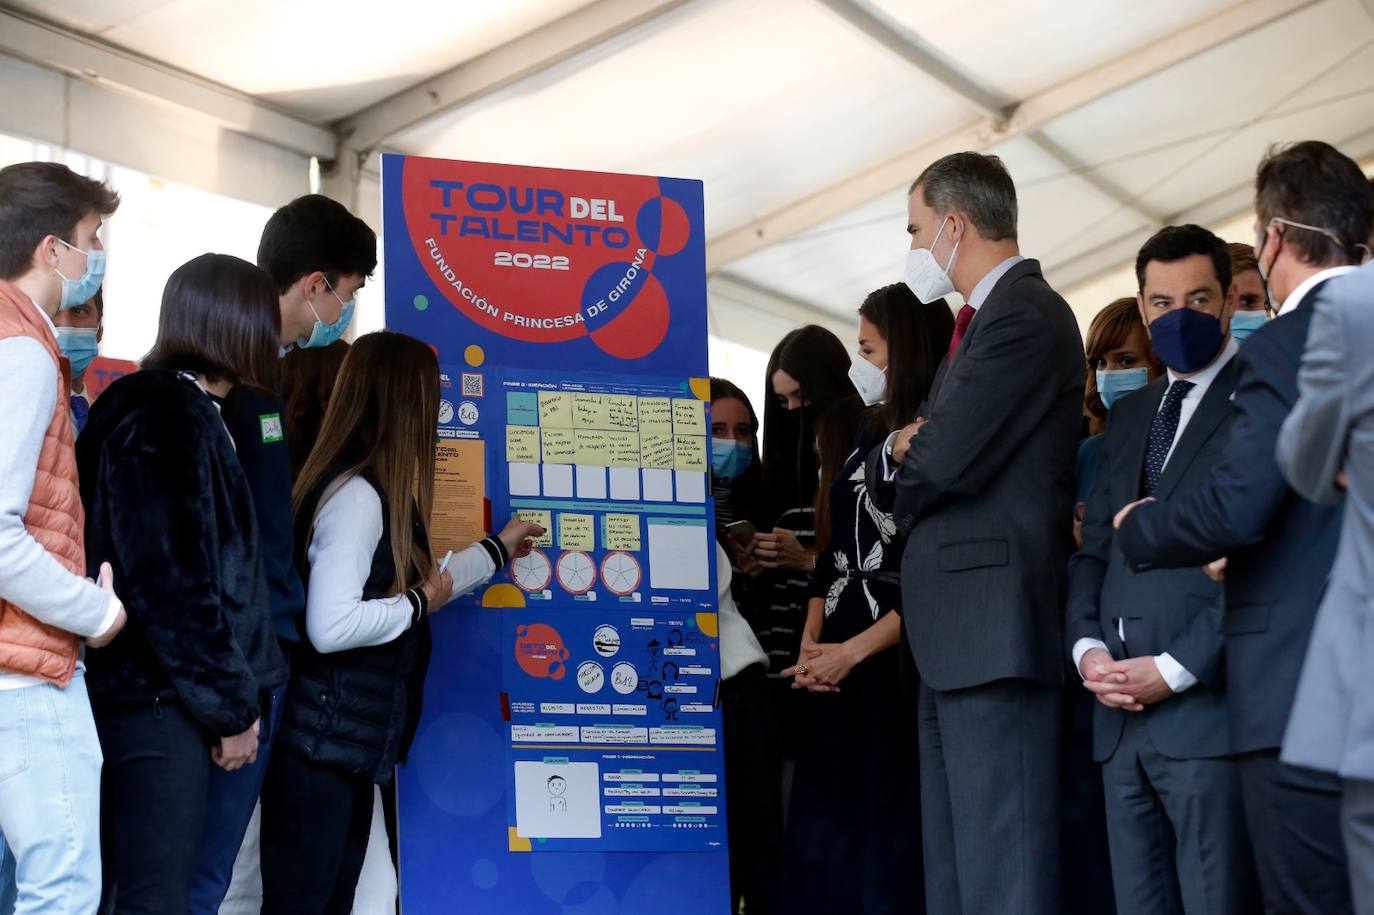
point(1163, 610)
point(1332, 428)
point(985, 494)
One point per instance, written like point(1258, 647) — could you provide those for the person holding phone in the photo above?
point(362, 507)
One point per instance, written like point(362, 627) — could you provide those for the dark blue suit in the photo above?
point(1280, 548)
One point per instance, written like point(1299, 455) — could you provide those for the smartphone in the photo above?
point(742, 532)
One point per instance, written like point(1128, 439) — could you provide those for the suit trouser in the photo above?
point(1177, 831)
point(990, 797)
point(1357, 824)
point(1294, 819)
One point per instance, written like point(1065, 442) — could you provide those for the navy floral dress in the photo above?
point(853, 833)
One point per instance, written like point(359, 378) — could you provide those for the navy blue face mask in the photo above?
point(1186, 340)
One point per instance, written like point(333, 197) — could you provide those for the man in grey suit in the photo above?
point(981, 486)
point(1174, 817)
point(1326, 449)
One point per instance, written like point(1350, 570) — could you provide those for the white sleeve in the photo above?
point(888, 470)
point(1082, 647)
point(1175, 674)
point(346, 533)
point(31, 578)
point(470, 568)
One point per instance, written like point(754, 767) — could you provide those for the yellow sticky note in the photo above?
point(589, 411)
point(622, 532)
point(555, 409)
point(560, 446)
point(622, 412)
point(593, 448)
point(576, 532)
point(655, 414)
point(624, 448)
point(689, 417)
point(656, 450)
point(690, 452)
point(543, 519)
point(522, 445)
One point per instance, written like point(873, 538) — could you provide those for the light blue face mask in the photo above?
point(323, 334)
point(1114, 385)
point(730, 458)
point(79, 291)
point(79, 345)
point(1245, 323)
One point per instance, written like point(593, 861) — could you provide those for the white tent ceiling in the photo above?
point(806, 118)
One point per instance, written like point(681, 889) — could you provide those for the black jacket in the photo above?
point(1164, 610)
point(169, 508)
point(356, 711)
point(1280, 547)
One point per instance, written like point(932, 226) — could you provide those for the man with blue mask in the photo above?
point(1147, 643)
point(1252, 300)
point(319, 255)
point(79, 332)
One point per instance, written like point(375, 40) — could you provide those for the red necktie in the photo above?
point(961, 323)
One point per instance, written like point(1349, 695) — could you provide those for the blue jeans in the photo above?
point(49, 801)
point(229, 809)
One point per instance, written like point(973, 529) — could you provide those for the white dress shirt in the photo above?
point(1175, 674)
point(31, 577)
point(1295, 297)
point(739, 646)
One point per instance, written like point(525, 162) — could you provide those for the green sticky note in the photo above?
point(271, 428)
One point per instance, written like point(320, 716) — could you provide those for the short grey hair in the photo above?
point(975, 184)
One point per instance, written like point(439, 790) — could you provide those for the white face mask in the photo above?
point(869, 380)
point(923, 275)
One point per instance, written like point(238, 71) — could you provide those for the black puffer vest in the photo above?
point(356, 711)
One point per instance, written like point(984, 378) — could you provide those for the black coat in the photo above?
point(168, 507)
point(356, 711)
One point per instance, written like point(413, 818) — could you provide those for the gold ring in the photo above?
point(800, 668)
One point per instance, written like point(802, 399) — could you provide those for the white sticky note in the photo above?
point(557, 800)
point(625, 484)
point(591, 482)
point(679, 556)
point(658, 485)
point(558, 481)
point(691, 486)
point(524, 479)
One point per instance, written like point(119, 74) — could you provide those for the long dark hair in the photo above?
point(837, 431)
point(221, 317)
point(746, 490)
point(820, 364)
point(385, 401)
point(307, 383)
point(917, 335)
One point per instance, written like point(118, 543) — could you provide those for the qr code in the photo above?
point(472, 384)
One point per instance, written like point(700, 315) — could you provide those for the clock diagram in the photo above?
point(532, 573)
point(621, 572)
point(576, 572)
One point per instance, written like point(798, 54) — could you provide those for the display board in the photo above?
point(569, 759)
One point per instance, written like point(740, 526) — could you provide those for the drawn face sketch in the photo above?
point(675, 638)
point(558, 786)
point(669, 670)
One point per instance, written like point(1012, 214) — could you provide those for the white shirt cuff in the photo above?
point(1082, 647)
point(1174, 673)
point(888, 470)
point(111, 614)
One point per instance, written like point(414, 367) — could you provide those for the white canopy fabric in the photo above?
point(807, 119)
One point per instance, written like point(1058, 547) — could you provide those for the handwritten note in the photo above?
point(544, 520)
point(560, 446)
point(593, 448)
point(656, 451)
point(522, 445)
point(689, 417)
point(622, 532)
point(576, 532)
point(624, 449)
point(690, 452)
point(589, 411)
point(655, 414)
point(622, 412)
point(555, 409)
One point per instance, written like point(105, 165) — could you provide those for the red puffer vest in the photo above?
point(54, 518)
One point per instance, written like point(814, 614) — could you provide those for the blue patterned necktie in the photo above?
point(1162, 432)
point(80, 410)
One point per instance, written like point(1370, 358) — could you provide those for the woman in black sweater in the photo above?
point(168, 507)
